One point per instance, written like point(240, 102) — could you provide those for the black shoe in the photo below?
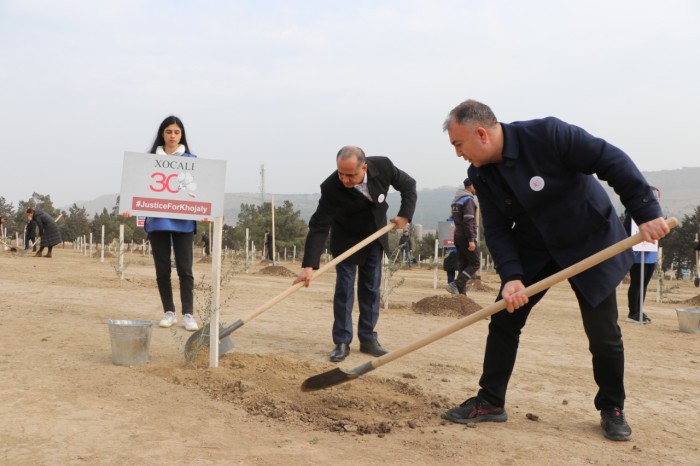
point(372, 347)
point(476, 410)
point(614, 425)
point(635, 318)
point(340, 352)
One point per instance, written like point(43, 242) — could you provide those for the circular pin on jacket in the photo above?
point(536, 183)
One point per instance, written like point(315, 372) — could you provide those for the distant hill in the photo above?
point(680, 190)
point(680, 195)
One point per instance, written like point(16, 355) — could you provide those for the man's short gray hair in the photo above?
point(471, 112)
point(347, 152)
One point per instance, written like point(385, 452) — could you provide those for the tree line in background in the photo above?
point(290, 230)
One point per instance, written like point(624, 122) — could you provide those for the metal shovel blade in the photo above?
point(327, 379)
point(200, 339)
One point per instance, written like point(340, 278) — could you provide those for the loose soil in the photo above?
point(450, 305)
point(694, 301)
point(65, 402)
point(277, 271)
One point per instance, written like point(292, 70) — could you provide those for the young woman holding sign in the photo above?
point(164, 233)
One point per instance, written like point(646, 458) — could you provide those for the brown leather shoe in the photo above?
point(340, 352)
point(372, 347)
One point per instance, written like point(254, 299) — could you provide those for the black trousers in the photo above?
point(604, 344)
point(182, 246)
point(29, 239)
point(635, 285)
point(469, 262)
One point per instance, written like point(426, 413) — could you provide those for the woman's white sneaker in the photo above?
point(168, 319)
point(189, 322)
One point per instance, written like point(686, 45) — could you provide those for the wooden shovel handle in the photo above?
point(324, 268)
point(531, 290)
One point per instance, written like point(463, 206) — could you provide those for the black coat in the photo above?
point(48, 230)
point(351, 217)
point(552, 207)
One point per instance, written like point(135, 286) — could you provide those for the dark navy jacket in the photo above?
point(351, 217)
point(553, 208)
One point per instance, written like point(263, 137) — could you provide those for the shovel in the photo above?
point(201, 337)
point(31, 246)
point(337, 376)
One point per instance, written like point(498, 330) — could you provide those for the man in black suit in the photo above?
point(352, 207)
point(543, 210)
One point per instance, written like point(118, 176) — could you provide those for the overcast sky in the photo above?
point(285, 84)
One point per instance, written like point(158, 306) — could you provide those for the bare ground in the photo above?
point(64, 402)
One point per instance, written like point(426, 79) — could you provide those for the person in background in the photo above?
point(167, 233)
point(48, 231)
point(464, 215)
point(406, 247)
point(696, 247)
point(205, 243)
point(268, 245)
point(352, 207)
point(450, 265)
point(3, 221)
point(450, 262)
point(637, 284)
point(543, 210)
point(30, 235)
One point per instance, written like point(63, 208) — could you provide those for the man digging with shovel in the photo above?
point(352, 206)
point(543, 210)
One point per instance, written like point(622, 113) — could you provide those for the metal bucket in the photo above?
point(688, 320)
point(131, 340)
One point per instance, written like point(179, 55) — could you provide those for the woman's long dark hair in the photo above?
point(160, 140)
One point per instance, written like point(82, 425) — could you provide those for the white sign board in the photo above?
point(643, 246)
point(170, 186)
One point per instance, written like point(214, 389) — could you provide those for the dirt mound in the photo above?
point(478, 285)
point(278, 271)
point(450, 306)
point(269, 385)
point(694, 301)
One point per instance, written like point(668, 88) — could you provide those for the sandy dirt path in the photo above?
point(64, 402)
